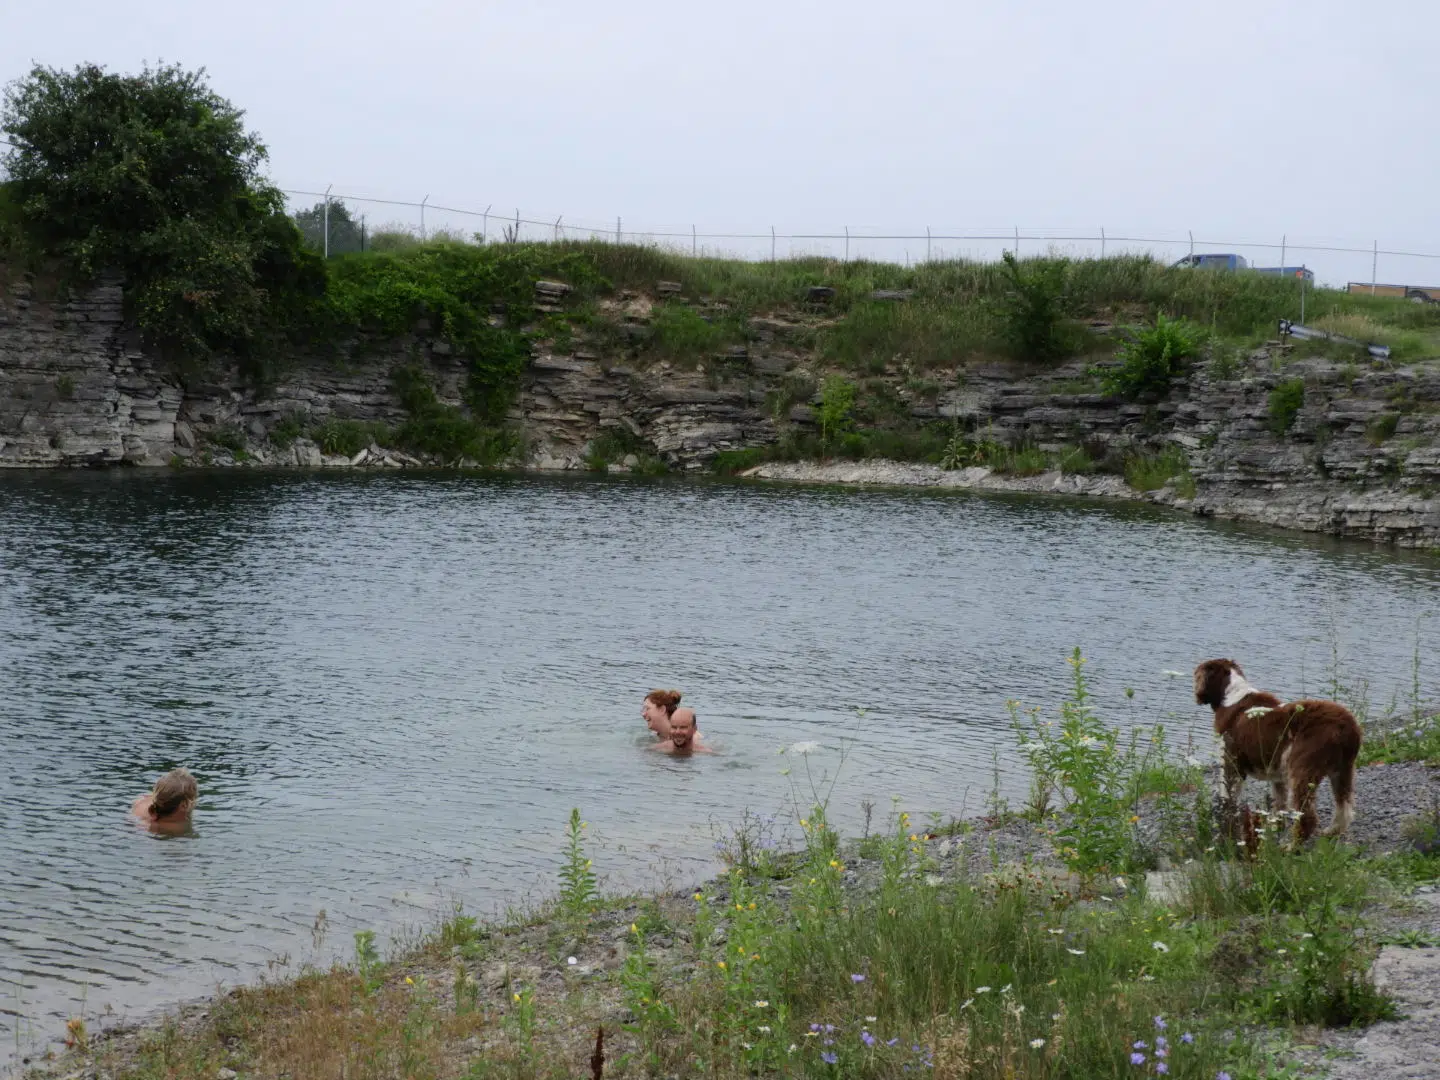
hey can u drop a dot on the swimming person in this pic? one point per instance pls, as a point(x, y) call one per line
point(167, 807)
point(656, 712)
point(684, 735)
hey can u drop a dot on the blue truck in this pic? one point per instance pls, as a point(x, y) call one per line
point(1229, 261)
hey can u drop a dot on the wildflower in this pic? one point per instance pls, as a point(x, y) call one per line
point(803, 748)
point(1161, 1068)
point(571, 961)
point(1057, 930)
point(1281, 952)
point(1076, 952)
point(1159, 946)
point(1134, 818)
point(829, 1058)
point(1160, 1051)
point(1137, 1059)
point(1161, 1042)
point(1035, 1044)
point(409, 981)
point(739, 907)
point(1147, 978)
point(804, 824)
point(746, 1045)
point(1160, 1024)
point(1141, 1045)
point(968, 1003)
point(814, 1028)
point(1187, 1038)
point(697, 896)
point(516, 998)
point(982, 989)
point(892, 1042)
point(763, 1028)
point(634, 929)
point(752, 905)
point(867, 1038)
point(1222, 1075)
point(836, 864)
point(762, 1004)
point(857, 978)
point(792, 1049)
point(1005, 989)
point(720, 964)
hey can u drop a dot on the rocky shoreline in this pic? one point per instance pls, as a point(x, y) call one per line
point(996, 850)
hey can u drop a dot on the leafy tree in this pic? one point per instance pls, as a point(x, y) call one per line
point(155, 176)
point(345, 234)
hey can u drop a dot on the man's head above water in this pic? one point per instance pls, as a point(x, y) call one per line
point(684, 725)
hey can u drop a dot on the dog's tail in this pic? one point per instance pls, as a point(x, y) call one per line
point(1342, 786)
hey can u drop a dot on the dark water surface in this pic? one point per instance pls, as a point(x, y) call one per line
point(394, 688)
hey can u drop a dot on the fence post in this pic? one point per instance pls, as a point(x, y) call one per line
point(517, 224)
point(362, 232)
point(772, 243)
point(927, 243)
point(422, 217)
point(1192, 243)
point(485, 225)
point(1102, 241)
point(327, 219)
point(1282, 257)
point(617, 228)
point(557, 228)
point(1374, 263)
point(693, 249)
point(1017, 241)
point(847, 243)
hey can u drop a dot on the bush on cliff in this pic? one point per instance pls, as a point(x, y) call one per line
point(154, 176)
point(1152, 357)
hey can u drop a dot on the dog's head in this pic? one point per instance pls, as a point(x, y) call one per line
point(1212, 679)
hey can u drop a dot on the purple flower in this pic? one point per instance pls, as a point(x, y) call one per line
point(892, 1042)
point(829, 1058)
point(1161, 1042)
point(867, 1038)
point(1160, 1023)
point(1222, 1075)
point(1187, 1038)
point(1162, 1068)
point(827, 1042)
point(829, 1029)
point(857, 978)
point(1137, 1059)
point(1141, 1045)
point(814, 1027)
point(1161, 1052)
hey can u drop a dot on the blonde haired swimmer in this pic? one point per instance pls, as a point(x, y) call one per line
point(168, 805)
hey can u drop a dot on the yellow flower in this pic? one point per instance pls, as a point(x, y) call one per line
point(516, 997)
point(739, 907)
point(913, 838)
point(634, 929)
point(804, 824)
point(752, 905)
point(697, 896)
point(720, 964)
point(409, 981)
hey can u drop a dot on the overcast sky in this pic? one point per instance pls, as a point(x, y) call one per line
point(1237, 119)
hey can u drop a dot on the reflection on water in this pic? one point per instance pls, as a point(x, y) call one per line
point(393, 689)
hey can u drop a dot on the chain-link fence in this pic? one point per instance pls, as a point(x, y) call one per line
point(356, 221)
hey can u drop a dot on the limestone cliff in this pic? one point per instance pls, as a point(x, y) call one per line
point(1361, 457)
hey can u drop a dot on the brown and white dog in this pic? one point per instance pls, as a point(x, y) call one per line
point(1294, 745)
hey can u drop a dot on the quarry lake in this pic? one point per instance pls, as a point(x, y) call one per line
point(393, 688)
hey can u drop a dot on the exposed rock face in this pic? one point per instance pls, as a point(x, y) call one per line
point(1361, 458)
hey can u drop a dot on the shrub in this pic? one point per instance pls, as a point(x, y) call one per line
point(837, 407)
point(1152, 357)
point(1381, 428)
point(1034, 310)
point(347, 437)
point(1286, 399)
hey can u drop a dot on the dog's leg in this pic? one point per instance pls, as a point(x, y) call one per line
point(1303, 795)
point(1342, 787)
point(1232, 826)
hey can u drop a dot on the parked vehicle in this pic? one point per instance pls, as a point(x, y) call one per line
point(1419, 294)
point(1231, 261)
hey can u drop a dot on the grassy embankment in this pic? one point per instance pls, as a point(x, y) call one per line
point(864, 362)
point(901, 953)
